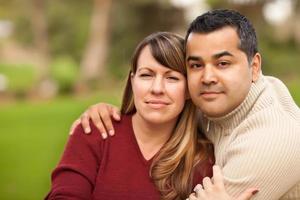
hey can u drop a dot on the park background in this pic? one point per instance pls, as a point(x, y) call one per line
point(57, 57)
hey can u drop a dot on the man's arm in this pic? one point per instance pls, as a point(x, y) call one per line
point(101, 115)
point(266, 158)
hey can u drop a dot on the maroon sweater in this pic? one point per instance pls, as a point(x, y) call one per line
point(111, 169)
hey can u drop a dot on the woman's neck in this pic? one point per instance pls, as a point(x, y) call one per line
point(151, 136)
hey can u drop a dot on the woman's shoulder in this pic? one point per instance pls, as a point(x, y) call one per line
point(123, 124)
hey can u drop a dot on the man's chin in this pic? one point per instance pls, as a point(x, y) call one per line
point(212, 111)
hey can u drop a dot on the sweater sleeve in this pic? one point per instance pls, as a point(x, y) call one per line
point(75, 175)
point(265, 158)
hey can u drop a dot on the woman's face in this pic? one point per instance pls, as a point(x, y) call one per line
point(159, 92)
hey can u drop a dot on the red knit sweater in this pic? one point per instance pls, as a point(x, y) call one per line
point(111, 169)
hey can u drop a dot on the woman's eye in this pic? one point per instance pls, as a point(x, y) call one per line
point(145, 75)
point(174, 78)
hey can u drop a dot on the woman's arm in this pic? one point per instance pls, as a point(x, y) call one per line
point(74, 177)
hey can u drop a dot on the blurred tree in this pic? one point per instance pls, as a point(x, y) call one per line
point(132, 21)
point(93, 64)
point(40, 32)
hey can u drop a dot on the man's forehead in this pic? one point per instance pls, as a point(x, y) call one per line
point(216, 42)
point(223, 33)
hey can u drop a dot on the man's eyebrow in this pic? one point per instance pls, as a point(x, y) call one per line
point(223, 53)
point(193, 58)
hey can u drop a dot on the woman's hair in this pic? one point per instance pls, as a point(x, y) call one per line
point(172, 168)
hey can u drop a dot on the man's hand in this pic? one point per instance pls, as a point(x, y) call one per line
point(100, 114)
point(215, 190)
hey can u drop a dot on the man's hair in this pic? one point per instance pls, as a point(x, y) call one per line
point(220, 18)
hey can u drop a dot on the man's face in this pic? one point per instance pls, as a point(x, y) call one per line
point(219, 75)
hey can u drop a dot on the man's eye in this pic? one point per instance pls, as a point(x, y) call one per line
point(195, 65)
point(223, 64)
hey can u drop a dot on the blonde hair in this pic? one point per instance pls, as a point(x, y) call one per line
point(172, 168)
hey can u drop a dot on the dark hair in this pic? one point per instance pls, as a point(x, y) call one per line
point(217, 19)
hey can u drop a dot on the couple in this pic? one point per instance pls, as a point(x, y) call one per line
point(157, 151)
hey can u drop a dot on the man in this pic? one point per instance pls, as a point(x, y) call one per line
point(251, 119)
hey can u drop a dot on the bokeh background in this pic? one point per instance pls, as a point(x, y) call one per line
point(57, 57)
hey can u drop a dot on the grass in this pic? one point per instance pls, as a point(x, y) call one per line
point(31, 141)
point(33, 136)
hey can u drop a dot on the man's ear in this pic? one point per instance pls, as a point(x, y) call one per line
point(256, 67)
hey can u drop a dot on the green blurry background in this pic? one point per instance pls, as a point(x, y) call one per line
point(57, 57)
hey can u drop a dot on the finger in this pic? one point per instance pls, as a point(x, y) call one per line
point(106, 119)
point(85, 123)
point(207, 184)
point(192, 197)
point(247, 194)
point(99, 124)
point(218, 176)
point(199, 190)
point(73, 126)
point(116, 113)
point(198, 187)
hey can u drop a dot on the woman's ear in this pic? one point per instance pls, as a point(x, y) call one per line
point(131, 75)
point(256, 67)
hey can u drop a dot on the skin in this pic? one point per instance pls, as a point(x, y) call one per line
point(159, 97)
point(219, 75)
point(159, 92)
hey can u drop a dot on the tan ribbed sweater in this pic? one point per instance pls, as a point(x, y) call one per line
point(258, 143)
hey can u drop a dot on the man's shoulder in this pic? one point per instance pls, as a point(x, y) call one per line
point(275, 105)
point(273, 118)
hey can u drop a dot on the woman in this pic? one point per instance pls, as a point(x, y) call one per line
point(157, 153)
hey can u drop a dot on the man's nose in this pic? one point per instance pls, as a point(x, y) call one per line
point(209, 75)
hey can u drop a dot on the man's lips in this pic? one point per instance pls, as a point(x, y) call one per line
point(210, 94)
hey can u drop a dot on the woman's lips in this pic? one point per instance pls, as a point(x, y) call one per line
point(157, 103)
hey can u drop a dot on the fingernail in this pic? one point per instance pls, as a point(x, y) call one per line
point(87, 130)
point(254, 192)
point(111, 132)
point(104, 135)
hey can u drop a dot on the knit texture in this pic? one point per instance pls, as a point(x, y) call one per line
point(258, 143)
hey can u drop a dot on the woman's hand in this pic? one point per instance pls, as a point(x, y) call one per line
point(215, 190)
point(100, 114)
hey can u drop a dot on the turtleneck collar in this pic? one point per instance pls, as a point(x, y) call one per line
point(235, 117)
